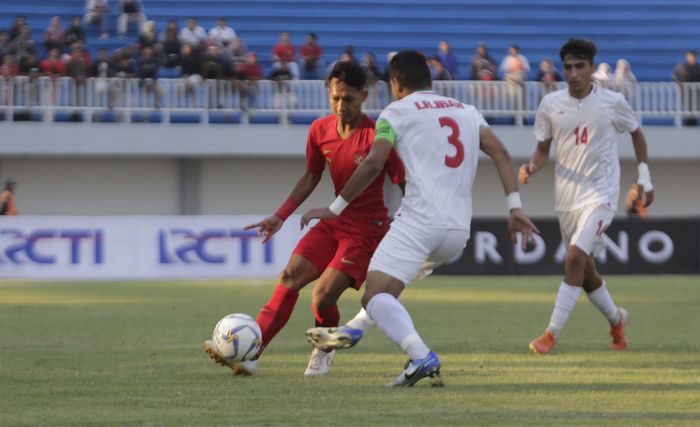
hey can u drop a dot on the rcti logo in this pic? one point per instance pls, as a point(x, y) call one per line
point(50, 246)
point(210, 246)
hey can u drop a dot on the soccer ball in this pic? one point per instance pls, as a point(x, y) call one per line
point(237, 337)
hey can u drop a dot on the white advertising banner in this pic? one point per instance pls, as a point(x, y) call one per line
point(141, 247)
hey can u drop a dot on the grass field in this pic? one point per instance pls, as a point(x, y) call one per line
point(130, 354)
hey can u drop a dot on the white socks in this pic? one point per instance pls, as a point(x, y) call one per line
point(361, 321)
point(601, 299)
point(565, 303)
point(394, 321)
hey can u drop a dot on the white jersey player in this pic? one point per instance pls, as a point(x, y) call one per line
point(438, 139)
point(582, 123)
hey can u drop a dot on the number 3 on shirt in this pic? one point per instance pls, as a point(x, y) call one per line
point(453, 139)
point(581, 135)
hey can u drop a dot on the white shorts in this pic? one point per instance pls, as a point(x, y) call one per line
point(410, 251)
point(585, 227)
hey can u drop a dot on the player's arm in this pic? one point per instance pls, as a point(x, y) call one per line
point(639, 142)
point(537, 162)
point(363, 176)
point(301, 191)
point(518, 221)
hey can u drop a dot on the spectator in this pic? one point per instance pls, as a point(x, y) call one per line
point(369, 64)
point(251, 72)
point(688, 72)
point(448, 59)
point(283, 50)
point(235, 51)
point(222, 33)
point(191, 71)
point(83, 52)
point(129, 11)
point(193, 34)
point(5, 45)
point(482, 66)
point(8, 68)
point(548, 75)
point(170, 42)
point(30, 65)
point(54, 36)
point(75, 32)
point(284, 71)
point(385, 74)
point(212, 63)
point(603, 74)
point(623, 73)
point(102, 70)
point(515, 67)
point(344, 57)
point(16, 28)
point(77, 67)
point(97, 13)
point(311, 57)
point(124, 64)
point(23, 44)
point(349, 52)
point(437, 69)
point(52, 65)
point(148, 37)
point(148, 73)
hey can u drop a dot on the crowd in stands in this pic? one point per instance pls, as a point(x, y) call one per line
point(194, 54)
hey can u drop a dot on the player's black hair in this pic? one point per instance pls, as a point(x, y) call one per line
point(410, 68)
point(350, 73)
point(580, 49)
point(693, 52)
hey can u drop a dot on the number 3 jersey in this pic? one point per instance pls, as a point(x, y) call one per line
point(583, 132)
point(437, 139)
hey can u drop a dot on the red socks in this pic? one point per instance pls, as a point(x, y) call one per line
point(327, 317)
point(275, 314)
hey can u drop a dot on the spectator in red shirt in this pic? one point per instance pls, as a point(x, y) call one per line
point(52, 65)
point(311, 58)
point(251, 72)
point(283, 50)
point(8, 68)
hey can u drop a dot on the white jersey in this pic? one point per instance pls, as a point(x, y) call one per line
point(583, 132)
point(437, 139)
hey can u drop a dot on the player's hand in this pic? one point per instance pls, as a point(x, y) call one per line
point(525, 171)
point(267, 227)
point(518, 221)
point(320, 213)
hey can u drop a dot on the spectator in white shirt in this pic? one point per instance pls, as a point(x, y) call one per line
point(223, 34)
point(193, 34)
point(96, 13)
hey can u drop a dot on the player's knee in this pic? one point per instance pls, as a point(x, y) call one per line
point(292, 278)
point(575, 259)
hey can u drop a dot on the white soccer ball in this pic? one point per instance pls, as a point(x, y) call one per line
point(237, 337)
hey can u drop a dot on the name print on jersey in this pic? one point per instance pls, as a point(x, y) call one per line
point(439, 103)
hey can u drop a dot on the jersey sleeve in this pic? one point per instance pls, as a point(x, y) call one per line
point(625, 120)
point(394, 168)
point(543, 124)
point(315, 162)
point(387, 126)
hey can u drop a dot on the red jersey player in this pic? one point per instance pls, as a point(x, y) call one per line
point(336, 252)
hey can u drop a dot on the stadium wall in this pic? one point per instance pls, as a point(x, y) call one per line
point(151, 169)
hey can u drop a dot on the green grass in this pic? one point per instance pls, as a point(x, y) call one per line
point(130, 354)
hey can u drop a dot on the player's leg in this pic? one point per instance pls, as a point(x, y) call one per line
point(569, 289)
point(598, 294)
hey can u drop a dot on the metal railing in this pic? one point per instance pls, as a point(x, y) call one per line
point(44, 98)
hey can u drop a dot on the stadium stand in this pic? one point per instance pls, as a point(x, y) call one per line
point(651, 34)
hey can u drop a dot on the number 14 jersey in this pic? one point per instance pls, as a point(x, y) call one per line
point(437, 139)
point(583, 133)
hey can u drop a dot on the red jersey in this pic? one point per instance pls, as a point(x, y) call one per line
point(325, 146)
point(284, 52)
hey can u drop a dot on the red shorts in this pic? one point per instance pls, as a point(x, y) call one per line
point(329, 246)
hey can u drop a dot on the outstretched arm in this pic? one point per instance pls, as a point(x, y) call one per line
point(639, 142)
point(518, 221)
point(363, 176)
point(301, 191)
